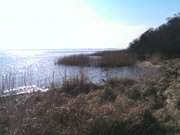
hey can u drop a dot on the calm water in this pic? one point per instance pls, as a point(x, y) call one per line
point(36, 67)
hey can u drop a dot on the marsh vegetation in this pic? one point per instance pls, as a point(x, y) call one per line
point(147, 105)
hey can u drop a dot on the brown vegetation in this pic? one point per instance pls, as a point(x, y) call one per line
point(102, 59)
point(117, 59)
point(75, 60)
point(120, 106)
point(148, 106)
point(90, 114)
point(80, 83)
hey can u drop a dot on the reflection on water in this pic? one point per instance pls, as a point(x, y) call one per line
point(36, 67)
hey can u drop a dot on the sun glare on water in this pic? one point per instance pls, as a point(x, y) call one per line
point(25, 53)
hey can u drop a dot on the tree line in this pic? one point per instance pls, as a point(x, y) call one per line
point(164, 40)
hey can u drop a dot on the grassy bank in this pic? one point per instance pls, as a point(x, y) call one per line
point(147, 106)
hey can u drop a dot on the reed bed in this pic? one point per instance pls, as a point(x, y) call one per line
point(100, 59)
point(73, 60)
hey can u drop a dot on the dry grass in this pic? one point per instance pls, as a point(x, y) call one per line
point(75, 60)
point(105, 59)
point(55, 113)
point(117, 59)
point(125, 107)
point(77, 84)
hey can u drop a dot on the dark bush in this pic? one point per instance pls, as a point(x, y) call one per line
point(114, 82)
point(108, 95)
point(148, 126)
point(134, 94)
point(164, 40)
point(107, 127)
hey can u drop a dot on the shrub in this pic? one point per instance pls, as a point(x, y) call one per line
point(134, 94)
point(147, 125)
point(108, 95)
point(107, 127)
point(114, 82)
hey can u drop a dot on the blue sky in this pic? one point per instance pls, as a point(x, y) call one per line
point(147, 12)
point(56, 24)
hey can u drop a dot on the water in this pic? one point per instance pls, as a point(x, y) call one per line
point(36, 67)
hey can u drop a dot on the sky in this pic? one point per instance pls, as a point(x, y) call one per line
point(57, 24)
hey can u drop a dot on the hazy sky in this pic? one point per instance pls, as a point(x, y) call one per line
point(43, 24)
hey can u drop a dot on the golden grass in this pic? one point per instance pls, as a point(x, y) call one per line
point(75, 60)
point(105, 59)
